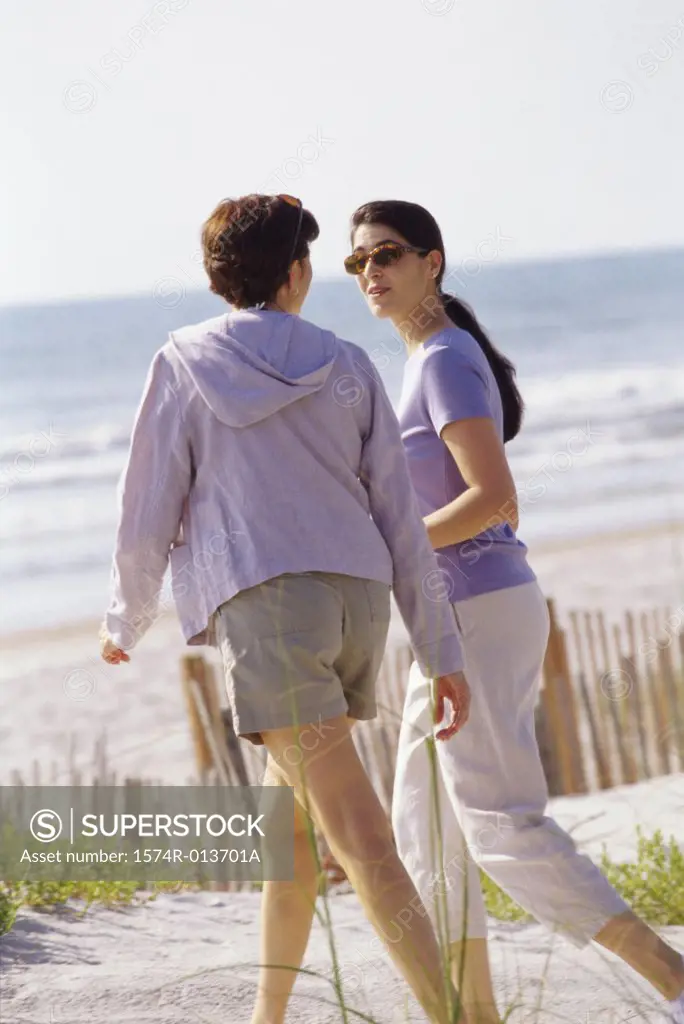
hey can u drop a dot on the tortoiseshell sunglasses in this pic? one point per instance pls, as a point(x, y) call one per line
point(293, 201)
point(383, 255)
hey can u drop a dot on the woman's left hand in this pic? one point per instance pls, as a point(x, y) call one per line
point(109, 652)
point(455, 689)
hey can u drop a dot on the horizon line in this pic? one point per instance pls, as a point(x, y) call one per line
point(599, 254)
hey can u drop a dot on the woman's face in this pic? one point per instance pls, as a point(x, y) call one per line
point(394, 291)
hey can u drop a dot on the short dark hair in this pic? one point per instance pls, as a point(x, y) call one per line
point(247, 247)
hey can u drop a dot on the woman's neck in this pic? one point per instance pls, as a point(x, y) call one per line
point(274, 307)
point(425, 320)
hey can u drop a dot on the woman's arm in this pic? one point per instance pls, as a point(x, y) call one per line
point(152, 489)
point(456, 393)
point(490, 497)
point(419, 588)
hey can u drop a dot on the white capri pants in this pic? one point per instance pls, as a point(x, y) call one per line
point(490, 786)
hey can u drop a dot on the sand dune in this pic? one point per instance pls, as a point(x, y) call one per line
point(186, 958)
point(54, 689)
point(189, 958)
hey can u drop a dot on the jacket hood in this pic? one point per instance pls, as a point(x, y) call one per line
point(251, 363)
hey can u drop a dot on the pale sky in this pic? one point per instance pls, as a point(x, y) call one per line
point(556, 123)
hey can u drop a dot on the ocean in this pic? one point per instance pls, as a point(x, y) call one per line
point(597, 343)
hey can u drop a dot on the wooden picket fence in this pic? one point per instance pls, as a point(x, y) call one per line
point(610, 712)
point(612, 702)
point(611, 708)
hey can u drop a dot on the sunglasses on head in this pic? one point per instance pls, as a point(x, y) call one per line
point(383, 255)
point(293, 201)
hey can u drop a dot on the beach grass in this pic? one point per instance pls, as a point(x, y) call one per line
point(652, 884)
point(48, 896)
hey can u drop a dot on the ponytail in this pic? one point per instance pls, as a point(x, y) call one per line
point(502, 368)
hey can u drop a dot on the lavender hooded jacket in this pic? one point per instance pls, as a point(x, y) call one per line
point(265, 445)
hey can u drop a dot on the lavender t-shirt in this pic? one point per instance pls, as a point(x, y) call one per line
point(448, 379)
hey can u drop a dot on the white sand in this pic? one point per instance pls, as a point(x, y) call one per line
point(53, 685)
point(613, 816)
point(189, 957)
point(186, 958)
point(614, 572)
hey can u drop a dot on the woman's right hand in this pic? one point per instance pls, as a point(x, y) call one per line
point(109, 652)
point(454, 688)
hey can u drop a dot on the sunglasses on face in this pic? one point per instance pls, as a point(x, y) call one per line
point(383, 255)
point(297, 203)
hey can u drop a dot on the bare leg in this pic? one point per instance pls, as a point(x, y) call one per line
point(332, 783)
point(287, 911)
point(638, 945)
point(472, 977)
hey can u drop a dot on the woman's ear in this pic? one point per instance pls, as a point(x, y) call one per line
point(297, 276)
point(434, 262)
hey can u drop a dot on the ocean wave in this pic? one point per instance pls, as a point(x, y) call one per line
point(603, 449)
point(88, 474)
point(627, 425)
point(554, 400)
point(52, 441)
point(602, 391)
point(48, 554)
point(624, 416)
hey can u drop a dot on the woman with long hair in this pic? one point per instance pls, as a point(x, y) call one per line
point(459, 405)
point(266, 466)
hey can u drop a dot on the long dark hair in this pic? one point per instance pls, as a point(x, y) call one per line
point(420, 229)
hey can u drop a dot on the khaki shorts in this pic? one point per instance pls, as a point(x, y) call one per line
point(301, 649)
